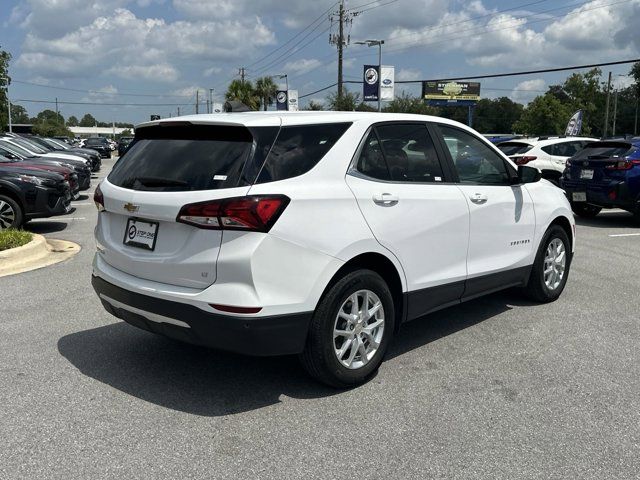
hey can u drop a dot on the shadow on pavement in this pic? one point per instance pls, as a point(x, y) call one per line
point(42, 227)
point(205, 382)
point(81, 197)
point(609, 219)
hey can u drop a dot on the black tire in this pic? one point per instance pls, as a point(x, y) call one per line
point(585, 210)
point(536, 288)
point(11, 215)
point(319, 357)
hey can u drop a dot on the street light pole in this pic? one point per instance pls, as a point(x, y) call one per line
point(378, 43)
point(6, 87)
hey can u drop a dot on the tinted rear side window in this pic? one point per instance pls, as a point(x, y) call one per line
point(185, 158)
point(514, 148)
point(298, 149)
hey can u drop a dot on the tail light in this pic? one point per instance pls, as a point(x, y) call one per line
point(98, 199)
point(623, 165)
point(524, 159)
point(255, 213)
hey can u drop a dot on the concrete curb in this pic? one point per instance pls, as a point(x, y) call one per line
point(38, 253)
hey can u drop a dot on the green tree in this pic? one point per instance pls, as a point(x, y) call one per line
point(266, 89)
point(125, 133)
point(348, 102)
point(48, 129)
point(88, 121)
point(5, 81)
point(545, 115)
point(72, 121)
point(243, 92)
point(19, 114)
point(496, 115)
point(314, 106)
point(405, 103)
point(49, 116)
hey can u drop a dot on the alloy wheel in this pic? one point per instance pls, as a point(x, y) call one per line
point(7, 215)
point(358, 329)
point(555, 262)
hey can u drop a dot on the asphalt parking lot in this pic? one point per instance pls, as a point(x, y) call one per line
point(495, 388)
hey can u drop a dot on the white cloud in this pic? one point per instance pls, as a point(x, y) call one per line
point(527, 90)
point(159, 73)
point(302, 66)
point(158, 46)
point(211, 71)
point(408, 74)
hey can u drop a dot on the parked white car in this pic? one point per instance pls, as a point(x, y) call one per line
point(318, 233)
point(548, 154)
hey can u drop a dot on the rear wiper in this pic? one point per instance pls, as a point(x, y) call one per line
point(157, 182)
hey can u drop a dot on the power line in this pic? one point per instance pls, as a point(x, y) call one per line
point(493, 75)
point(28, 100)
point(293, 38)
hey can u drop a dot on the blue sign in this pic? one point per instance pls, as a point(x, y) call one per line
point(371, 83)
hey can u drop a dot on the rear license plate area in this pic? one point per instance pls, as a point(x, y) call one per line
point(141, 234)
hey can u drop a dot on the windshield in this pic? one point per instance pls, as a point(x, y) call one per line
point(514, 148)
point(56, 144)
point(16, 150)
point(95, 141)
point(27, 145)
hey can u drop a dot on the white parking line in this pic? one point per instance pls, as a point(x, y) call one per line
point(82, 203)
point(626, 235)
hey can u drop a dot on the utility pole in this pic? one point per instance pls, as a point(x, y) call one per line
point(178, 111)
point(615, 112)
point(339, 40)
point(197, 101)
point(211, 98)
point(606, 108)
point(6, 87)
point(241, 72)
point(57, 114)
point(635, 122)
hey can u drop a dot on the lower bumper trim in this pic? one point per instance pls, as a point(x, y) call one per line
point(258, 336)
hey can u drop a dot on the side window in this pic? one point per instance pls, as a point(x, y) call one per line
point(475, 162)
point(298, 149)
point(371, 161)
point(410, 153)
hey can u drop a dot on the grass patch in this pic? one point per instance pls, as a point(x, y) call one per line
point(11, 238)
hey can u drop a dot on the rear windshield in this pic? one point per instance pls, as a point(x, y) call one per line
point(603, 150)
point(208, 157)
point(514, 148)
point(96, 141)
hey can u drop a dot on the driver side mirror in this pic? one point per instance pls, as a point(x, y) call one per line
point(528, 174)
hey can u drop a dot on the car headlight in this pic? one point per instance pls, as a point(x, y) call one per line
point(45, 182)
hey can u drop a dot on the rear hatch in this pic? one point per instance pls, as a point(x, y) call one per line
point(168, 166)
point(601, 163)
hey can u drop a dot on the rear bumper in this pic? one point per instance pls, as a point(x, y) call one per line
point(259, 336)
point(607, 195)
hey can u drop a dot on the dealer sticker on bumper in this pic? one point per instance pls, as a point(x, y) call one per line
point(579, 196)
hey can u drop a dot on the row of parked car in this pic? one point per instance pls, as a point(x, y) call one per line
point(594, 174)
point(39, 177)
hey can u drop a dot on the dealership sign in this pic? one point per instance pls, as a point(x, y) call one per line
point(442, 92)
point(575, 125)
point(281, 100)
point(375, 82)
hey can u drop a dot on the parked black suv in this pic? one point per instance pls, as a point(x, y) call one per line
point(100, 145)
point(123, 144)
point(28, 194)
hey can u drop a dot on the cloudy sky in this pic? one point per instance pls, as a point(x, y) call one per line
point(159, 52)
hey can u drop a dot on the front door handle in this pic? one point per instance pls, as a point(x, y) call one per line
point(385, 199)
point(479, 198)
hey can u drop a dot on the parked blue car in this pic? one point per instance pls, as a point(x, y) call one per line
point(604, 174)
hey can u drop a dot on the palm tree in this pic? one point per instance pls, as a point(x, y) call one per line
point(266, 90)
point(243, 92)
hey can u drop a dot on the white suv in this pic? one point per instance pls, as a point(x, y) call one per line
point(318, 233)
point(549, 155)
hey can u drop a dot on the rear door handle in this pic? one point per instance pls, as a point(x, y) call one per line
point(479, 198)
point(385, 199)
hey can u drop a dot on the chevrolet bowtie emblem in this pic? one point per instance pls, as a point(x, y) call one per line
point(130, 207)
